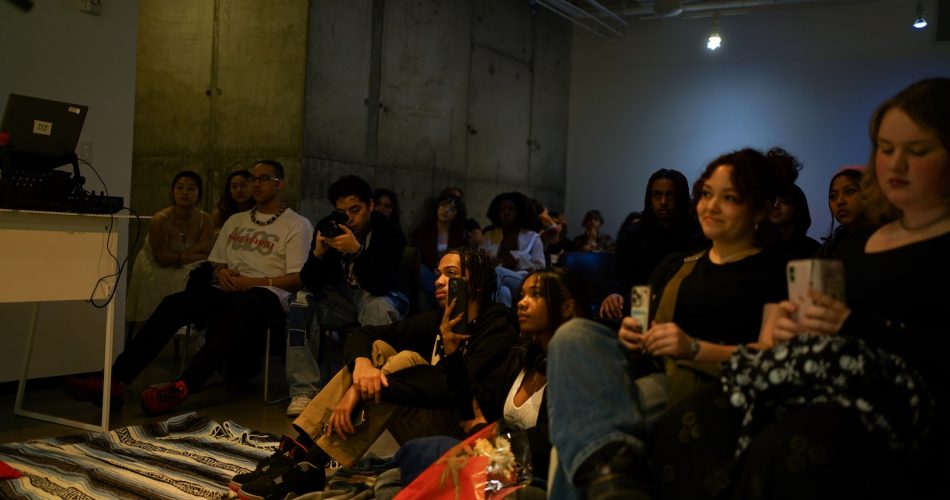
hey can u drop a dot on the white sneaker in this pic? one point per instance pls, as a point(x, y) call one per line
point(297, 405)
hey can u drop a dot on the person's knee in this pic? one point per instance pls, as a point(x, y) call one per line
point(378, 311)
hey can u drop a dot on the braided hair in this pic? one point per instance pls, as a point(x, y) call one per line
point(482, 280)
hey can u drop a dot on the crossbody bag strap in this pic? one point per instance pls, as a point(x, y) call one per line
point(664, 310)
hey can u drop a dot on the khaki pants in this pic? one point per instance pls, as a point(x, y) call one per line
point(403, 422)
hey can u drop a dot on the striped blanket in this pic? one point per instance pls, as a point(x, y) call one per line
point(187, 456)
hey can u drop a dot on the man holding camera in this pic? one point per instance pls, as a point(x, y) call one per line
point(351, 278)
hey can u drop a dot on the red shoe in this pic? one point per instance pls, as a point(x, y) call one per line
point(89, 388)
point(163, 398)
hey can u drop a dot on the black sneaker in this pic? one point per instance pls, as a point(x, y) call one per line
point(304, 477)
point(288, 453)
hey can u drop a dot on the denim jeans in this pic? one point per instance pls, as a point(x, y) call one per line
point(337, 307)
point(591, 399)
point(509, 284)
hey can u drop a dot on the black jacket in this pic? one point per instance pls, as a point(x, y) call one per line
point(377, 267)
point(450, 383)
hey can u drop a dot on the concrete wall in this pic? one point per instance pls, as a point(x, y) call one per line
point(57, 52)
point(804, 79)
point(419, 95)
point(220, 85)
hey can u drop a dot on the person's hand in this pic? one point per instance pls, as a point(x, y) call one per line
point(450, 339)
point(227, 279)
point(668, 339)
point(368, 380)
point(320, 246)
point(468, 425)
point(345, 243)
point(824, 316)
point(612, 306)
point(340, 421)
point(631, 334)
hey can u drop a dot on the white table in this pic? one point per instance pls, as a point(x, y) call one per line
point(52, 256)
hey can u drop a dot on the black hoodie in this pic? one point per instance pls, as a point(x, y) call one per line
point(450, 383)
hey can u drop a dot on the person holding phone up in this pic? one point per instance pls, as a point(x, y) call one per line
point(396, 378)
point(603, 398)
point(853, 401)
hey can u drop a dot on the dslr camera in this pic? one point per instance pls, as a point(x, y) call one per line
point(329, 226)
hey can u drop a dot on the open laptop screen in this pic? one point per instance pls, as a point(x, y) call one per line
point(41, 131)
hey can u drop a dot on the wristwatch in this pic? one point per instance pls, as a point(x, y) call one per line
point(693, 347)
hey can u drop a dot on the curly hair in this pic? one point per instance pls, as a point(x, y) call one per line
point(759, 179)
point(482, 280)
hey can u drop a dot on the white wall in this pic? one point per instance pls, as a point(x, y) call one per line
point(57, 52)
point(805, 79)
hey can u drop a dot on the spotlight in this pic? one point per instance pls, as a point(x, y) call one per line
point(714, 39)
point(920, 23)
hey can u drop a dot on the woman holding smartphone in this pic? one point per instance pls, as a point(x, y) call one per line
point(860, 407)
point(704, 306)
point(515, 390)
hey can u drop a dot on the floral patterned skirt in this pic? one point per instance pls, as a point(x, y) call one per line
point(890, 398)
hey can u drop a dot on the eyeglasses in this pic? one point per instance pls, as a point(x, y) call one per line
point(263, 178)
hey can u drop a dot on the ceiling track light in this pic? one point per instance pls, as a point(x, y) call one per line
point(715, 40)
point(920, 23)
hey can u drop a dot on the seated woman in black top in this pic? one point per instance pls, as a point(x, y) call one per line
point(853, 401)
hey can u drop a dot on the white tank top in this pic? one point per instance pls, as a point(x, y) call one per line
point(526, 415)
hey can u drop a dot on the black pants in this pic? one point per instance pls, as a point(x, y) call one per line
point(237, 324)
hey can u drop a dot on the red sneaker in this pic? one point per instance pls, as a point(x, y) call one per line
point(163, 398)
point(89, 388)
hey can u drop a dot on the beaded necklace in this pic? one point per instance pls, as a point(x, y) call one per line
point(268, 221)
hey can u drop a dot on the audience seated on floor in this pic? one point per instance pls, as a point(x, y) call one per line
point(604, 396)
point(236, 197)
point(847, 206)
point(792, 218)
point(352, 276)
point(179, 237)
point(852, 401)
point(667, 225)
point(513, 243)
point(592, 240)
point(515, 390)
point(413, 378)
point(444, 229)
point(257, 261)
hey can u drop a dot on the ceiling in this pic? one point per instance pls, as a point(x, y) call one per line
point(611, 18)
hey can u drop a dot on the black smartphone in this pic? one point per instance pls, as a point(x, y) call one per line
point(458, 290)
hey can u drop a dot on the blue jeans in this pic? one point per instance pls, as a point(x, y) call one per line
point(591, 399)
point(509, 285)
point(336, 308)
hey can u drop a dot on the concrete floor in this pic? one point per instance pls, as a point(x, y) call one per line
point(215, 401)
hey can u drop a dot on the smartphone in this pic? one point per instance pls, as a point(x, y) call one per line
point(640, 305)
point(458, 290)
point(824, 275)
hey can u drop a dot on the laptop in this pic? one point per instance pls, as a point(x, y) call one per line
point(43, 133)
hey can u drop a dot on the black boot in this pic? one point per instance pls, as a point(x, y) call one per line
point(615, 471)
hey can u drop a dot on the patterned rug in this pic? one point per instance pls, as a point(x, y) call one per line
point(187, 456)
